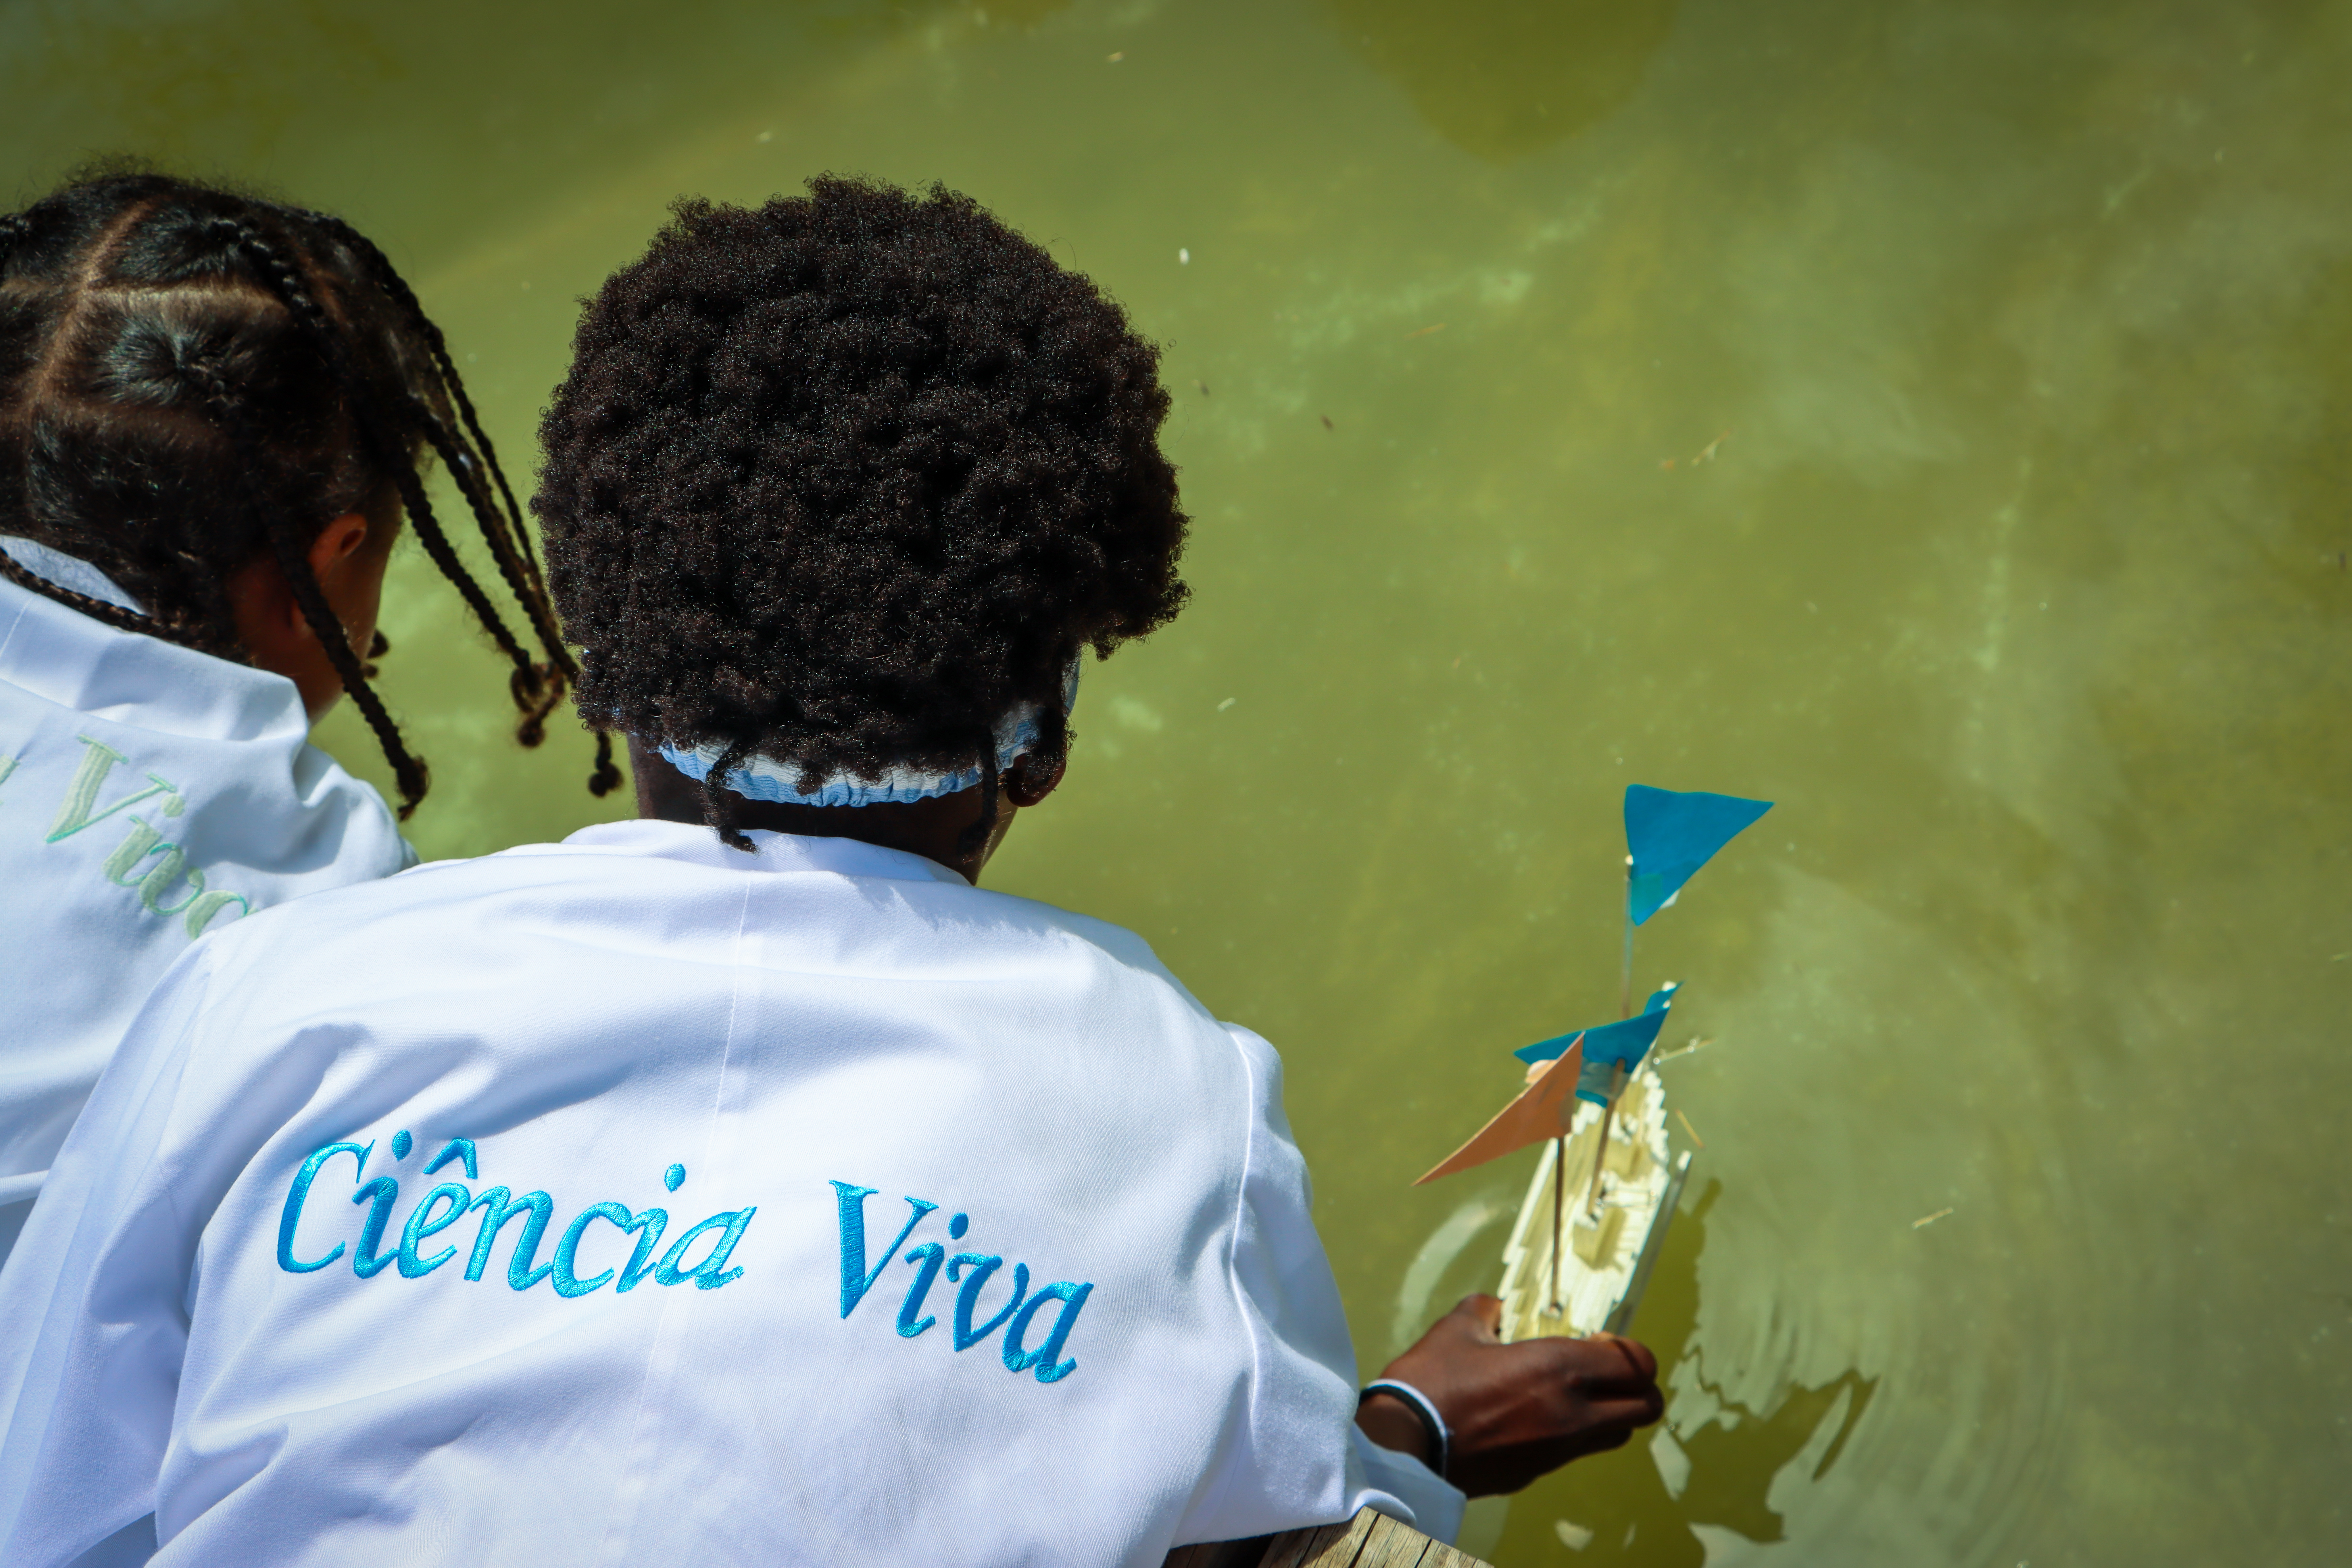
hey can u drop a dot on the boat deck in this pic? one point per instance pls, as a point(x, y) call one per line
point(1602, 1246)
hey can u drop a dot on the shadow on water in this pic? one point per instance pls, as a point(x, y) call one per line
point(1502, 79)
point(1702, 1480)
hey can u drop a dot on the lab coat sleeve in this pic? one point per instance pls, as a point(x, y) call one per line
point(1298, 1458)
point(93, 1300)
point(1402, 1487)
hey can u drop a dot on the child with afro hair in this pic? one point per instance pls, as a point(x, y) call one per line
point(743, 1182)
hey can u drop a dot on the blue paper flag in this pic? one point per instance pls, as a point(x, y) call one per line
point(1623, 1043)
point(1671, 835)
point(1626, 1041)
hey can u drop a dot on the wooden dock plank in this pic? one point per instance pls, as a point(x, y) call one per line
point(1389, 1544)
point(1324, 1546)
point(1439, 1555)
point(1368, 1541)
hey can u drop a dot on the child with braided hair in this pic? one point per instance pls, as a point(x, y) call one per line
point(212, 413)
point(745, 1183)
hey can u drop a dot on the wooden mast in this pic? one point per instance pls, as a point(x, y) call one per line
point(1616, 1069)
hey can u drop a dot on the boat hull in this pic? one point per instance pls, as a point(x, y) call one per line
point(1602, 1243)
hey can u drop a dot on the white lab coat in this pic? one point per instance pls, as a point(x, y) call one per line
point(778, 1139)
point(148, 794)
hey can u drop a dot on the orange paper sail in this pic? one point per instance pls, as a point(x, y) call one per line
point(1542, 1111)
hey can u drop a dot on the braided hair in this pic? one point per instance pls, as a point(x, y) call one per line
point(192, 379)
point(845, 479)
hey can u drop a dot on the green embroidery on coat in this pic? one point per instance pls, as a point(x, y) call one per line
point(122, 867)
point(168, 870)
point(136, 847)
point(207, 905)
point(75, 812)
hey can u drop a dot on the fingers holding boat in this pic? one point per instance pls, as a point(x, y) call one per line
point(1519, 1411)
point(1564, 1399)
point(1598, 1380)
point(1486, 1312)
point(1637, 1354)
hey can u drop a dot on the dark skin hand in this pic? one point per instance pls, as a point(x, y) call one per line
point(1517, 1411)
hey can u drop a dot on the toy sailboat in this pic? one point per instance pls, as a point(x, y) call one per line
point(1595, 1215)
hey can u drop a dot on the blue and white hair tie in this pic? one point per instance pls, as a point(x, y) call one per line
point(765, 778)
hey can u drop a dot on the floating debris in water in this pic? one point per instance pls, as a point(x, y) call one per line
point(1117, 56)
point(1696, 1044)
point(1704, 455)
point(1689, 1129)
point(1203, 386)
point(1326, 422)
point(1424, 332)
point(764, 137)
point(1923, 1221)
point(1227, 704)
point(1575, 1537)
point(1184, 256)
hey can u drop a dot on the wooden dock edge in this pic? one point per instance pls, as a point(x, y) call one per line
point(1368, 1541)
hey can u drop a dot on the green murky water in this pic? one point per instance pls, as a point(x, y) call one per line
point(1931, 416)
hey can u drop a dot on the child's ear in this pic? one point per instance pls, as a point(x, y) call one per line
point(338, 542)
point(1031, 779)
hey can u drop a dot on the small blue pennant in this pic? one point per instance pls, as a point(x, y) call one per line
point(1626, 1041)
point(1671, 835)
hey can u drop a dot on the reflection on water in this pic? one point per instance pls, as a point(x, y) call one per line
point(1504, 77)
point(1705, 1484)
point(1930, 417)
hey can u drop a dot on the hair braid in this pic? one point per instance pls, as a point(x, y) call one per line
point(509, 539)
point(408, 769)
point(719, 801)
point(537, 688)
point(113, 614)
point(530, 682)
point(605, 778)
point(396, 289)
point(14, 230)
point(194, 377)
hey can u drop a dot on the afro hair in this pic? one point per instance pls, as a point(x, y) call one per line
point(846, 480)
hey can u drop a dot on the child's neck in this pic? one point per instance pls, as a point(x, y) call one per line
point(932, 828)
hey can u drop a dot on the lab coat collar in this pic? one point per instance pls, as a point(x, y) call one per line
point(64, 657)
point(699, 846)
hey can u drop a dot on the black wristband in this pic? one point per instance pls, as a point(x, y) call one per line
point(1421, 1405)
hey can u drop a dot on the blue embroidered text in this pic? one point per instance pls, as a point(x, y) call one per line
point(446, 1204)
point(973, 1271)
